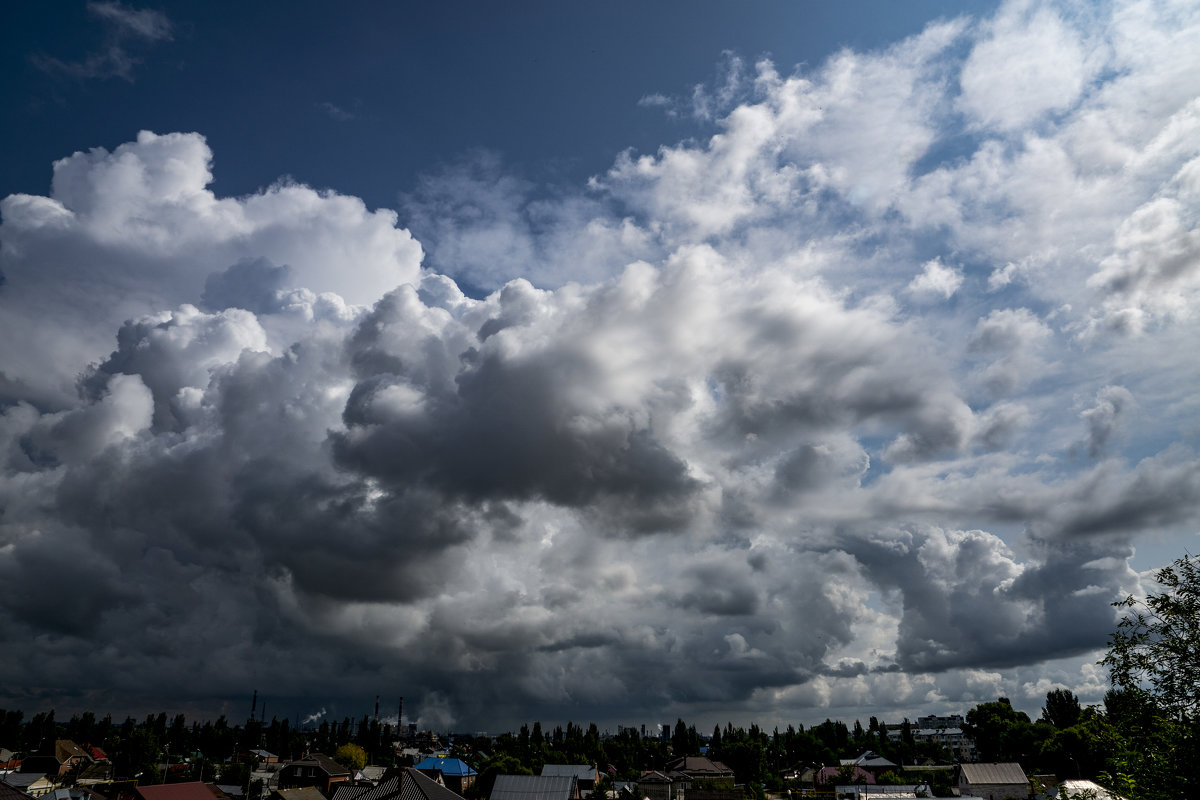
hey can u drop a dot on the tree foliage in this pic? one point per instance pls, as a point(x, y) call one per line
point(1062, 709)
point(351, 755)
point(1153, 661)
point(1001, 733)
point(1156, 647)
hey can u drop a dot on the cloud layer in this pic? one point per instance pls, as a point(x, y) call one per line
point(863, 404)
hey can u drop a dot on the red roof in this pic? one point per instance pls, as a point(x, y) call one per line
point(828, 775)
point(194, 790)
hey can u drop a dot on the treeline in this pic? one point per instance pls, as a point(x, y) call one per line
point(759, 759)
point(159, 748)
point(162, 748)
point(1108, 743)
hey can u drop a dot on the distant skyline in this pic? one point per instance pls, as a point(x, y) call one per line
point(593, 362)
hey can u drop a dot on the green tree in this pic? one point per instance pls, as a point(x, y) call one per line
point(1156, 647)
point(351, 755)
point(1153, 664)
point(1062, 708)
point(994, 727)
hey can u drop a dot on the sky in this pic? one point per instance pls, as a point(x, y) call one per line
point(611, 362)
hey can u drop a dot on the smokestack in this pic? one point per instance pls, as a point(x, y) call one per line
point(377, 708)
point(254, 704)
point(400, 713)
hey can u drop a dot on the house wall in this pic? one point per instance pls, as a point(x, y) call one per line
point(998, 791)
point(657, 791)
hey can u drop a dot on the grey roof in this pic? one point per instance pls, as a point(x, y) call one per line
point(398, 784)
point(11, 792)
point(583, 772)
point(699, 767)
point(978, 774)
point(419, 786)
point(868, 759)
point(23, 780)
point(346, 791)
point(321, 760)
point(533, 787)
point(653, 776)
point(305, 793)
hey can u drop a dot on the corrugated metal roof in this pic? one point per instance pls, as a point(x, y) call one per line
point(321, 760)
point(193, 790)
point(994, 773)
point(11, 792)
point(533, 787)
point(23, 780)
point(419, 786)
point(583, 772)
point(447, 766)
point(345, 791)
point(303, 793)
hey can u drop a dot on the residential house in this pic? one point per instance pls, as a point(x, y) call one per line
point(316, 770)
point(871, 762)
point(585, 776)
point(695, 768)
point(73, 793)
point(303, 793)
point(533, 787)
point(264, 756)
point(654, 785)
point(11, 792)
point(415, 785)
point(371, 774)
point(695, 777)
point(624, 790)
point(455, 774)
point(851, 775)
point(190, 790)
point(34, 784)
point(993, 781)
point(701, 778)
point(62, 759)
point(92, 774)
point(70, 756)
point(406, 783)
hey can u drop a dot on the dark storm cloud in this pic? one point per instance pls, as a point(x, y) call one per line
point(966, 602)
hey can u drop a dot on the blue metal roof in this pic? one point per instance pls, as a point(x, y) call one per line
point(447, 766)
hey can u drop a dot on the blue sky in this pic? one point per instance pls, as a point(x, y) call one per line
point(363, 99)
point(757, 362)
